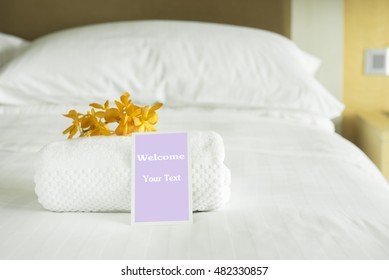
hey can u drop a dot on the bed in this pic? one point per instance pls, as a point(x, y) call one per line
point(299, 190)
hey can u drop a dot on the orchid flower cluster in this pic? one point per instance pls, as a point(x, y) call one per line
point(128, 117)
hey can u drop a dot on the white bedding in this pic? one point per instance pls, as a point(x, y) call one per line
point(299, 191)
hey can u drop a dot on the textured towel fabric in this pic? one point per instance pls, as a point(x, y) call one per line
point(94, 174)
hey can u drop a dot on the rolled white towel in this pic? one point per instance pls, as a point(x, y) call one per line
point(93, 174)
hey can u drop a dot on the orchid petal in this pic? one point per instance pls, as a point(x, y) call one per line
point(96, 105)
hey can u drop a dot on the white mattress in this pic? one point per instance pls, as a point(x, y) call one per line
point(299, 191)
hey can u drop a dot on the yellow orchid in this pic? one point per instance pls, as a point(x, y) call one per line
point(112, 115)
point(129, 117)
point(92, 125)
point(124, 102)
point(126, 124)
point(147, 119)
point(100, 114)
point(72, 130)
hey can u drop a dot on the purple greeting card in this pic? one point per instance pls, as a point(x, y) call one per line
point(161, 187)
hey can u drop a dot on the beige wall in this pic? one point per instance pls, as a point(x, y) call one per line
point(366, 26)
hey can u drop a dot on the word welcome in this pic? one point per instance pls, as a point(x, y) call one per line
point(145, 157)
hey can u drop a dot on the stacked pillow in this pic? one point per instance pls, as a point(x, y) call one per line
point(9, 47)
point(175, 62)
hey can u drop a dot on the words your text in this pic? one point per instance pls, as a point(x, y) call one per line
point(164, 178)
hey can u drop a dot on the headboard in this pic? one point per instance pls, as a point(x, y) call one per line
point(30, 19)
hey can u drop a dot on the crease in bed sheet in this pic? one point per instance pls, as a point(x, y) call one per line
point(351, 156)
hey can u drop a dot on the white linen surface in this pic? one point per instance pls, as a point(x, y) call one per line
point(299, 191)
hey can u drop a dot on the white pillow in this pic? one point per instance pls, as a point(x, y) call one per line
point(9, 46)
point(174, 62)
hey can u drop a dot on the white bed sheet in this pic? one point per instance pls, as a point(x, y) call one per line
point(299, 191)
